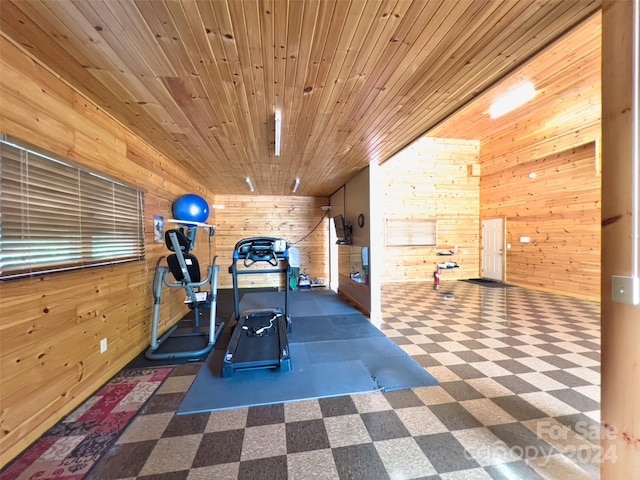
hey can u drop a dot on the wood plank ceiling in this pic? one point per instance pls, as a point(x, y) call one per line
point(564, 72)
point(356, 80)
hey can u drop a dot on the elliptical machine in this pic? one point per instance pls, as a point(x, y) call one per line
point(185, 269)
point(259, 339)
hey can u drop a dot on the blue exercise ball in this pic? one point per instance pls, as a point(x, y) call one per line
point(191, 208)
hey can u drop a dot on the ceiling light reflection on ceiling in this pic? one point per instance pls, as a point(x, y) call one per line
point(278, 131)
point(512, 100)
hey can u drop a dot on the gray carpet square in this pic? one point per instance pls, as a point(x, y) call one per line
point(334, 406)
point(403, 399)
point(219, 447)
point(516, 384)
point(559, 362)
point(186, 425)
point(518, 408)
point(263, 468)
point(576, 400)
point(306, 435)
point(359, 462)
point(438, 337)
point(470, 357)
point(460, 391)
point(465, 371)
point(514, 366)
point(522, 441)
point(454, 416)
point(265, 415)
point(426, 361)
point(512, 352)
point(445, 453)
point(552, 348)
point(566, 378)
point(431, 347)
point(384, 425)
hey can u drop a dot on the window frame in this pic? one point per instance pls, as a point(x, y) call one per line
point(411, 232)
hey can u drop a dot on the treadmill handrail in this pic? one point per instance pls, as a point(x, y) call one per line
point(277, 249)
point(261, 249)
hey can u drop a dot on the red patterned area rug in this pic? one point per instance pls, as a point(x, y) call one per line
point(69, 449)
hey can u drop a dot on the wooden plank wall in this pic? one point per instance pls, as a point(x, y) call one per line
point(434, 179)
point(620, 395)
point(559, 211)
point(560, 208)
point(556, 136)
point(300, 220)
point(51, 325)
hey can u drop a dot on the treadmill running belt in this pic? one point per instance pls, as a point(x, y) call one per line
point(258, 348)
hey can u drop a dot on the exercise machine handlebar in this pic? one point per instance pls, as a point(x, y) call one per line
point(260, 249)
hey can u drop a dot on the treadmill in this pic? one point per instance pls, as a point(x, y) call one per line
point(259, 339)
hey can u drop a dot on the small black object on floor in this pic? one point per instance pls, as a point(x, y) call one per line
point(487, 283)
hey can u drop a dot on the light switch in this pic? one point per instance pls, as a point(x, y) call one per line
point(525, 239)
point(625, 290)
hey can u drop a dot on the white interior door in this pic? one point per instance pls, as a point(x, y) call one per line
point(493, 249)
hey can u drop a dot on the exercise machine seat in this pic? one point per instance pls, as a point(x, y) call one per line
point(190, 260)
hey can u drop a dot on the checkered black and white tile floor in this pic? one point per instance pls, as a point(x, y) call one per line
point(518, 399)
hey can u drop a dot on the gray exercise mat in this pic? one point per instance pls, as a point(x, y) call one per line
point(210, 391)
point(331, 355)
point(301, 303)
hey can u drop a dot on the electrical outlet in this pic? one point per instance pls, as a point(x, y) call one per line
point(103, 345)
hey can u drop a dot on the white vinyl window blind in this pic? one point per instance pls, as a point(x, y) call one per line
point(55, 216)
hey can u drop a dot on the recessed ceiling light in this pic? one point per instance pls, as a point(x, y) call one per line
point(278, 122)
